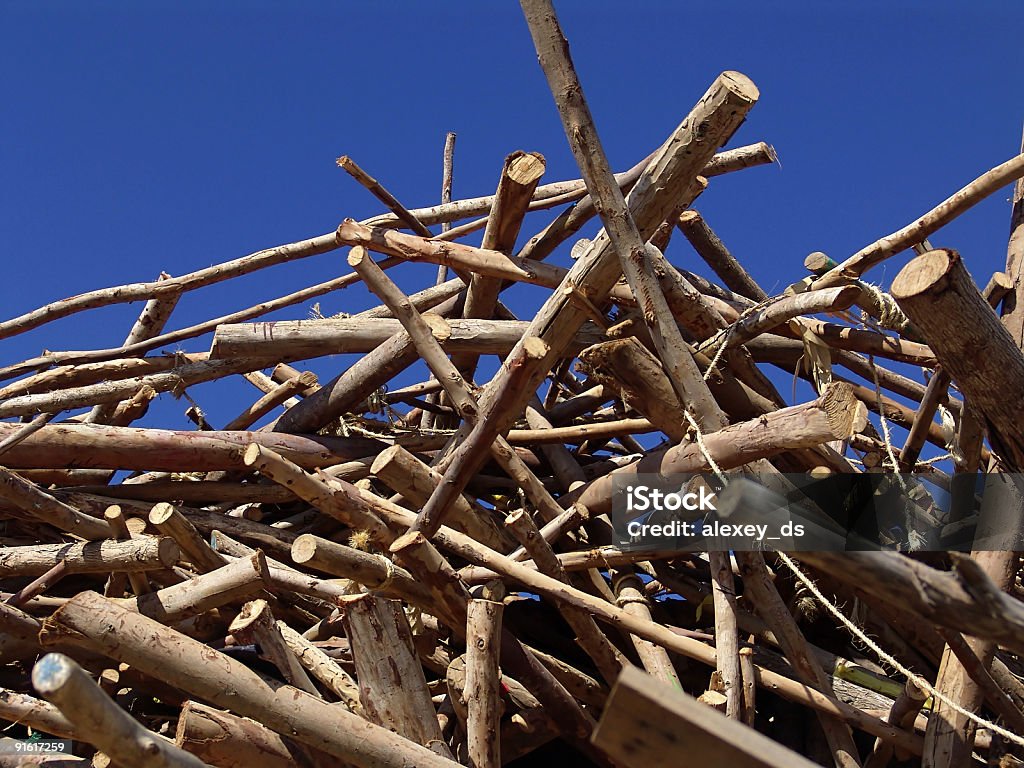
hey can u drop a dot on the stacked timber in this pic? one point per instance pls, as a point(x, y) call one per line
point(374, 570)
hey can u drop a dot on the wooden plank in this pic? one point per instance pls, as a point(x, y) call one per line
point(650, 725)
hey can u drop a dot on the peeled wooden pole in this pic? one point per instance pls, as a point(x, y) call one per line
point(834, 416)
point(972, 345)
point(255, 625)
point(482, 692)
point(100, 721)
point(726, 640)
point(170, 522)
point(27, 496)
point(228, 741)
point(392, 688)
point(188, 664)
point(146, 554)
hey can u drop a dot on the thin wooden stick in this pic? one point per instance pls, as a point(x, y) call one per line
point(918, 230)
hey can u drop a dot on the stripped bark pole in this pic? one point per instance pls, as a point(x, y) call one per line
point(482, 691)
point(228, 741)
point(392, 688)
point(726, 639)
point(146, 554)
point(100, 721)
point(255, 624)
point(170, 522)
point(940, 298)
point(173, 658)
point(26, 496)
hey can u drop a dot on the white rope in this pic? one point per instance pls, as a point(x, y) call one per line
point(699, 439)
point(919, 681)
point(890, 316)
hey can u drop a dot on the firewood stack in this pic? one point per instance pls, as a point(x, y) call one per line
point(424, 574)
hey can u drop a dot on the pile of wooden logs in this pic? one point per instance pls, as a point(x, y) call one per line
point(359, 572)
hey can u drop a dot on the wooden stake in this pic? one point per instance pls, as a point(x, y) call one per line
point(483, 701)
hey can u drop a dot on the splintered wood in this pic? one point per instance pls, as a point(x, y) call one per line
point(407, 558)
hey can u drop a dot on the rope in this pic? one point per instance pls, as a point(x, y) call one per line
point(890, 315)
point(389, 574)
point(699, 439)
point(919, 681)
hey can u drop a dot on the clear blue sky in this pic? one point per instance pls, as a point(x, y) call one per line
point(140, 137)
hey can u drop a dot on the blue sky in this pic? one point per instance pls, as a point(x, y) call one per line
point(140, 137)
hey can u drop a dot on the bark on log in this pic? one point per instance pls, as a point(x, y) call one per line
point(482, 693)
point(100, 721)
point(147, 554)
point(392, 688)
point(225, 740)
point(188, 664)
point(940, 298)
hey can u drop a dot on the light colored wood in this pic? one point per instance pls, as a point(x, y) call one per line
point(170, 522)
point(73, 445)
point(43, 507)
point(255, 624)
point(264, 405)
point(969, 341)
point(482, 692)
point(918, 230)
point(233, 582)
point(301, 339)
point(710, 248)
point(834, 416)
point(228, 741)
point(188, 664)
point(392, 688)
point(145, 554)
point(649, 725)
point(99, 721)
point(726, 639)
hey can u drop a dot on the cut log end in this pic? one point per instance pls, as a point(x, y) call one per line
point(384, 459)
point(252, 454)
point(356, 256)
point(846, 414)
point(440, 329)
point(741, 85)
point(304, 548)
point(926, 273)
point(161, 513)
point(526, 168)
point(534, 347)
point(51, 673)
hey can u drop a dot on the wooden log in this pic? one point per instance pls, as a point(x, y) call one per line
point(482, 693)
point(749, 690)
point(362, 567)
point(940, 298)
point(407, 475)
point(323, 668)
point(713, 251)
point(271, 400)
point(349, 388)
point(834, 416)
point(392, 688)
point(962, 600)
point(726, 639)
point(175, 380)
point(233, 582)
point(228, 741)
point(72, 445)
point(301, 339)
point(343, 504)
point(648, 725)
point(43, 507)
point(255, 625)
point(100, 721)
point(519, 177)
point(146, 554)
point(629, 595)
point(211, 676)
point(36, 714)
point(170, 522)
